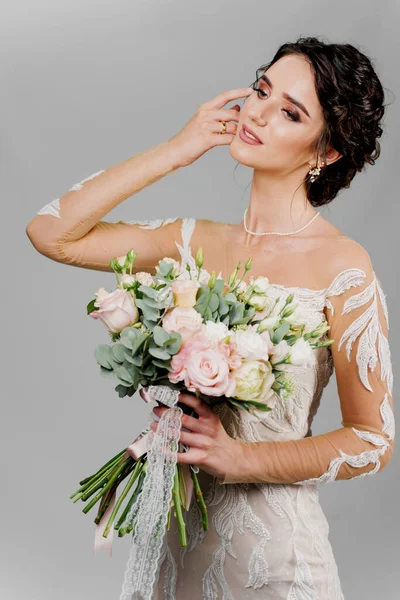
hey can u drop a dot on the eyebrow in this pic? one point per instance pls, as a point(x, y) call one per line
point(287, 96)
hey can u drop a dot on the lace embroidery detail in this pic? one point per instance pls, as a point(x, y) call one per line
point(151, 223)
point(302, 587)
point(366, 457)
point(234, 511)
point(170, 576)
point(53, 208)
point(388, 418)
point(367, 355)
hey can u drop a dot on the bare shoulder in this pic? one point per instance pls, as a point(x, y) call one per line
point(342, 254)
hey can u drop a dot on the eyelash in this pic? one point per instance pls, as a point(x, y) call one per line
point(293, 116)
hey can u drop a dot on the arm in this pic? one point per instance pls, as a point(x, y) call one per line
point(357, 315)
point(70, 229)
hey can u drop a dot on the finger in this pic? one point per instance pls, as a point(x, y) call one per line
point(202, 409)
point(231, 128)
point(196, 440)
point(194, 456)
point(192, 423)
point(226, 114)
point(222, 99)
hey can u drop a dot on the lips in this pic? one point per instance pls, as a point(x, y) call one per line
point(248, 130)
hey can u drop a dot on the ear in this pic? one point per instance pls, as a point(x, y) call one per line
point(332, 156)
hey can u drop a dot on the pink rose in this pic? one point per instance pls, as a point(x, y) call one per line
point(117, 309)
point(186, 321)
point(181, 358)
point(184, 292)
point(208, 371)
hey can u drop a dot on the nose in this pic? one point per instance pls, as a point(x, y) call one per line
point(256, 117)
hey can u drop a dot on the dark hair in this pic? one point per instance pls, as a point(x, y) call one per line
point(351, 97)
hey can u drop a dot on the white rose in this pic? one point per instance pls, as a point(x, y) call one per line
point(258, 301)
point(301, 353)
point(279, 351)
point(268, 323)
point(214, 332)
point(128, 279)
point(253, 381)
point(260, 285)
point(298, 316)
point(144, 278)
point(251, 345)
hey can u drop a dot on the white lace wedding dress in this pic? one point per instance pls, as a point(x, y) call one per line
point(268, 536)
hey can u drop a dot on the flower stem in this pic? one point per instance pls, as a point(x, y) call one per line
point(200, 499)
point(115, 480)
point(108, 485)
point(134, 476)
point(88, 481)
point(123, 526)
point(178, 509)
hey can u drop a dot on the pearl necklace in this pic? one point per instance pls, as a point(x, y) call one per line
point(276, 232)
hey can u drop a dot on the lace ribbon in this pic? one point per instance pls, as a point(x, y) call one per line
point(151, 509)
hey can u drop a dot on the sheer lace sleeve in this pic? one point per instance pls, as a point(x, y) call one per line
point(358, 316)
point(69, 229)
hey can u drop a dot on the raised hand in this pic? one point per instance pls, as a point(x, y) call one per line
point(203, 131)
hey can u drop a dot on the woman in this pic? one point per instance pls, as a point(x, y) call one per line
point(309, 123)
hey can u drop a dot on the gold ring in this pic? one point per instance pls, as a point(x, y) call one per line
point(223, 127)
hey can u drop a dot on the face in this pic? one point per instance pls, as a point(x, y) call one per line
point(284, 128)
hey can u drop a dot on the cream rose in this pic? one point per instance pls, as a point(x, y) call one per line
point(253, 381)
point(185, 291)
point(116, 310)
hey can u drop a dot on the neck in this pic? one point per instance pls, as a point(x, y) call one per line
point(276, 206)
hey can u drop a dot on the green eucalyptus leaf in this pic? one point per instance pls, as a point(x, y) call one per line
point(162, 364)
point(259, 405)
point(129, 336)
point(280, 332)
point(123, 374)
point(118, 352)
point(214, 302)
point(160, 335)
point(102, 356)
point(149, 291)
point(159, 353)
point(107, 373)
point(140, 339)
point(174, 343)
point(165, 268)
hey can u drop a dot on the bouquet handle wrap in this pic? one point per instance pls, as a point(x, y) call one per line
point(136, 449)
point(152, 507)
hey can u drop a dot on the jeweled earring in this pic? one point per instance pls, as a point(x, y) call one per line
point(315, 171)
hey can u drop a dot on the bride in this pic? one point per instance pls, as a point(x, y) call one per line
point(308, 124)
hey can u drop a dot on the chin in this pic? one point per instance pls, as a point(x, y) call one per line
point(244, 153)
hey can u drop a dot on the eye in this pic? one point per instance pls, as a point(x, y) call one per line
point(293, 116)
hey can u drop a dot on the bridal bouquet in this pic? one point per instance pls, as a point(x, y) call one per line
point(187, 330)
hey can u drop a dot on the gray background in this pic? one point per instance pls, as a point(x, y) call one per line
point(79, 93)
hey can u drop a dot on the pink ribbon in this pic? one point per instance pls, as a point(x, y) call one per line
point(136, 449)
